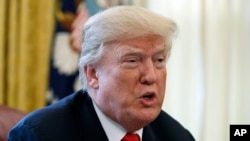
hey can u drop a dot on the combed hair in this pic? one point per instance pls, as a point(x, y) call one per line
point(120, 23)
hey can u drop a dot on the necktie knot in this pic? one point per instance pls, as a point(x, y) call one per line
point(131, 137)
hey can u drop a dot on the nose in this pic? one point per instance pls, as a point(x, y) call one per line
point(148, 73)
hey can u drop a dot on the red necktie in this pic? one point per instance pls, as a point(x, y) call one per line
point(131, 137)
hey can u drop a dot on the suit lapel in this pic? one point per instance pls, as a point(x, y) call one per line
point(92, 128)
point(148, 134)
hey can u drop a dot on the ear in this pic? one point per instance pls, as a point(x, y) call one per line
point(91, 76)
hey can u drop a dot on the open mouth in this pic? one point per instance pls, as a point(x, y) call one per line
point(148, 96)
point(148, 99)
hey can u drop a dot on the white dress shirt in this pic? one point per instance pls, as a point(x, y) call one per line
point(113, 130)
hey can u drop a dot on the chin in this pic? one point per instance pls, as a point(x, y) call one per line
point(148, 116)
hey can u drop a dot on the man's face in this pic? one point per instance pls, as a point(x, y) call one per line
point(130, 81)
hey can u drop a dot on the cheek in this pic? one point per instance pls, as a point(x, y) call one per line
point(120, 89)
point(162, 83)
point(123, 80)
point(114, 84)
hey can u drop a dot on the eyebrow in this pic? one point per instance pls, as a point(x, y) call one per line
point(138, 52)
point(130, 52)
point(163, 50)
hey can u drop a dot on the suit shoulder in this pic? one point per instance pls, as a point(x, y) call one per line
point(62, 115)
point(169, 128)
point(62, 108)
point(165, 119)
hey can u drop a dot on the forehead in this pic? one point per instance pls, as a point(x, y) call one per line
point(144, 43)
point(149, 41)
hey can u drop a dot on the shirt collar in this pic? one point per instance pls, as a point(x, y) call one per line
point(113, 130)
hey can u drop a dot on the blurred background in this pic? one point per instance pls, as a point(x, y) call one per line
point(208, 85)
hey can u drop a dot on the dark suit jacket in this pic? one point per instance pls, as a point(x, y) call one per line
point(74, 119)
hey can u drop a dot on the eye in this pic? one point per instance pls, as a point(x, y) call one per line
point(160, 61)
point(131, 62)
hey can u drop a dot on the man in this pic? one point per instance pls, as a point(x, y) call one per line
point(123, 71)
